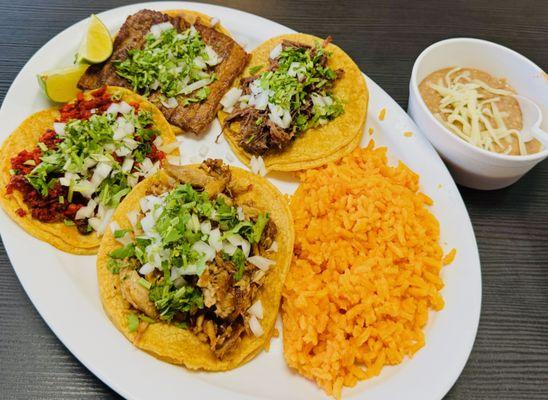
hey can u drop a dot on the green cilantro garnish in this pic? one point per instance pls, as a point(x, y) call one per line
point(171, 246)
point(92, 140)
point(132, 322)
point(120, 233)
point(255, 69)
point(299, 80)
point(170, 63)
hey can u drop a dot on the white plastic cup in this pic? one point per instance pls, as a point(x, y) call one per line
point(471, 166)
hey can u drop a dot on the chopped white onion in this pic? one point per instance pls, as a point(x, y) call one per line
point(157, 29)
point(132, 217)
point(229, 248)
point(124, 107)
point(200, 63)
point(127, 164)
point(86, 188)
point(170, 102)
point(158, 141)
point(260, 101)
point(273, 247)
point(212, 57)
point(196, 85)
point(87, 211)
point(175, 273)
point(205, 227)
point(256, 309)
point(257, 166)
point(146, 269)
point(124, 240)
point(240, 213)
point(147, 222)
point(231, 98)
point(261, 262)
point(205, 249)
point(123, 151)
point(59, 128)
point(255, 326)
point(280, 116)
point(114, 226)
point(67, 179)
point(113, 109)
point(101, 172)
point(106, 220)
point(214, 239)
point(276, 51)
point(191, 269)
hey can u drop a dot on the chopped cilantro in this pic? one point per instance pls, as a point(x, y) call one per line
point(170, 63)
point(238, 259)
point(298, 81)
point(144, 283)
point(173, 246)
point(120, 233)
point(255, 69)
point(132, 322)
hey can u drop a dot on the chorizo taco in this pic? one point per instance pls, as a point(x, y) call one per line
point(301, 103)
point(183, 61)
point(193, 266)
point(64, 170)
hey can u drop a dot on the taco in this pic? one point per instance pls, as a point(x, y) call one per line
point(63, 171)
point(193, 266)
point(301, 102)
point(183, 61)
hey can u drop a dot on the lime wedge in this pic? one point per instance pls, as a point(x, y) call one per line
point(96, 45)
point(60, 84)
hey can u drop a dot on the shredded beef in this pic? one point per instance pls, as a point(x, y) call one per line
point(257, 133)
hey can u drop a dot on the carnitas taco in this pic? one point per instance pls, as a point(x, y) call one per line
point(63, 171)
point(193, 266)
point(183, 61)
point(301, 103)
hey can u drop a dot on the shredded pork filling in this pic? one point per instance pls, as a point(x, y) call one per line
point(213, 298)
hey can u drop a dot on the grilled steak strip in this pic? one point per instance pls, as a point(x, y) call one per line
point(195, 117)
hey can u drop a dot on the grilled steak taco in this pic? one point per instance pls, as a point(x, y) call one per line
point(63, 171)
point(193, 267)
point(178, 60)
point(302, 102)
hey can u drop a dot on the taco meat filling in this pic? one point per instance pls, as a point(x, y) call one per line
point(292, 94)
point(196, 259)
point(96, 151)
point(183, 69)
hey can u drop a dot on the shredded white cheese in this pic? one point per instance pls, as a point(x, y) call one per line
point(470, 116)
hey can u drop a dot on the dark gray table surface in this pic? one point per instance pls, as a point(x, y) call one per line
point(510, 356)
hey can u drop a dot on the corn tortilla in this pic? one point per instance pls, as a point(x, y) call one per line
point(315, 146)
point(179, 346)
point(25, 137)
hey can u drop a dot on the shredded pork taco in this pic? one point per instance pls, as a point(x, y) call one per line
point(301, 103)
point(193, 266)
point(63, 171)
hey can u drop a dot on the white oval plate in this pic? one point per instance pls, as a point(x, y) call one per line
point(63, 287)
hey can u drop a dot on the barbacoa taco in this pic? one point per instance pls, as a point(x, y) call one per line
point(180, 60)
point(63, 171)
point(193, 266)
point(301, 103)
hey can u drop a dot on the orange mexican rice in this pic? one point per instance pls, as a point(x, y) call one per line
point(365, 271)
